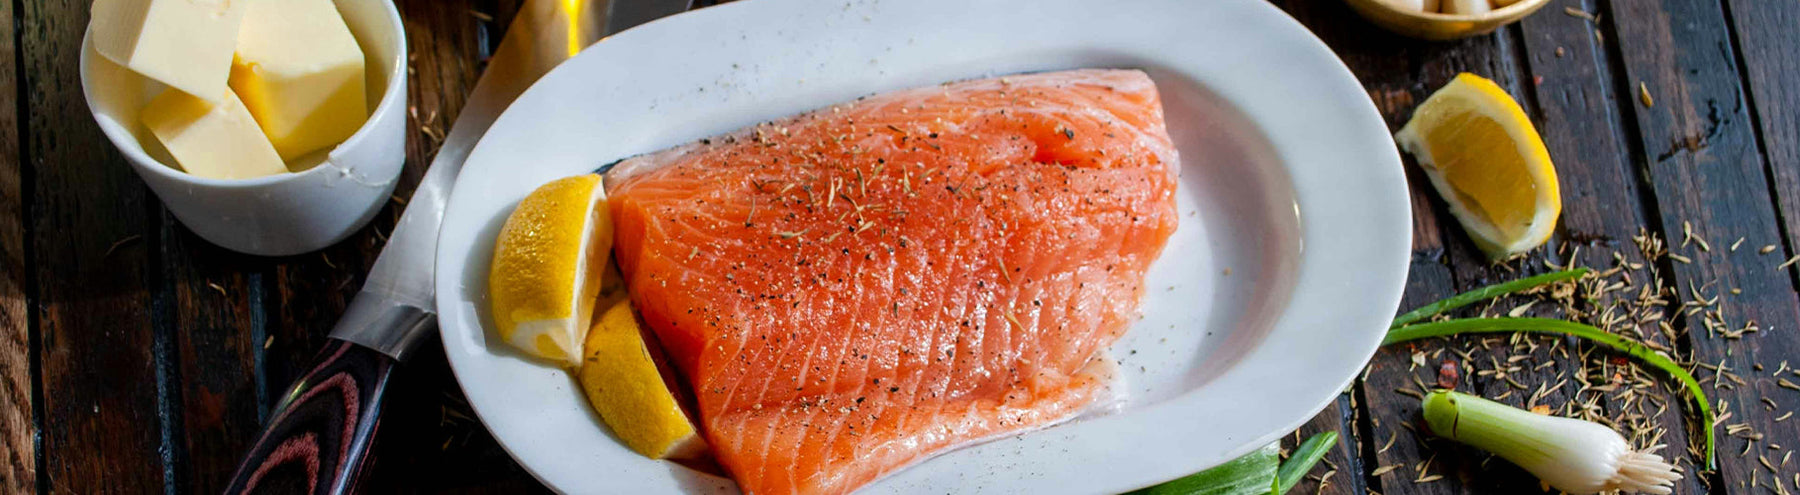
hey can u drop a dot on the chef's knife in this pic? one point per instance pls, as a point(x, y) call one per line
point(317, 438)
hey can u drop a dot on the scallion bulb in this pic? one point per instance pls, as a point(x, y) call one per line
point(1575, 456)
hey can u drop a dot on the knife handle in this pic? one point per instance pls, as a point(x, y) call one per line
point(317, 439)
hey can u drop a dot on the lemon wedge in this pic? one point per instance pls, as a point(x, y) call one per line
point(1487, 161)
point(626, 385)
point(547, 268)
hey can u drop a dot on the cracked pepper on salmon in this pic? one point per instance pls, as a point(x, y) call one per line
point(868, 285)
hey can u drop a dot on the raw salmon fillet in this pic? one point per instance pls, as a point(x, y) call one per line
point(865, 286)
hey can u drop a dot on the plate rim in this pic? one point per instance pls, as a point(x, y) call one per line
point(1389, 266)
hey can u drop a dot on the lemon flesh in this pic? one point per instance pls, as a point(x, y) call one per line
point(1488, 163)
point(547, 265)
point(631, 391)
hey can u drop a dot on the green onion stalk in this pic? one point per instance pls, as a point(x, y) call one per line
point(1575, 456)
point(1401, 331)
point(1561, 327)
point(1261, 472)
point(1485, 293)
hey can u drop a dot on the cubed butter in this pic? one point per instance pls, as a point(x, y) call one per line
point(215, 141)
point(300, 72)
point(186, 44)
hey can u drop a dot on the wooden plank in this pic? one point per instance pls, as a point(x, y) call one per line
point(1395, 448)
point(91, 235)
point(1767, 41)
point(213, 338)
point(1340, 473)
point(18, 468)
point(430, 440)
point(1702, 155)
point(1579, 118)
point(304, 297)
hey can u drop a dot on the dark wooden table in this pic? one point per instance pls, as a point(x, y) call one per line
point(135, 357)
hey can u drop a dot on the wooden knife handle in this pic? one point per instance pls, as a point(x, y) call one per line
point(317, 439)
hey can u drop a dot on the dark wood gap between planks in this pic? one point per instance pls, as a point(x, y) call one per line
point(1615, 88)
point(1771, 23)
point(1763, 40)
point(212, 323)
point(21, 390)
point(256, 291)
point(1582, 226)
point(99, 401)
point(1365, 446)
point(1339, 463)
point(172, 450)
point(1693, 68)
point(1627, 100)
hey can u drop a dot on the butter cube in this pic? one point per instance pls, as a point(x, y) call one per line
point(300, 72)
point(215, 141)
point(185, 44)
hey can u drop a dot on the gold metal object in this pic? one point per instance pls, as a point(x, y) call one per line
point(1436, 26)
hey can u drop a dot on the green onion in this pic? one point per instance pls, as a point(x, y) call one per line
point(1485, 293)
point(1252, 474)
point(1561, 327)
point(1305, 457)
point(1400, 331)
point(1575, 456)
point(1255, 473)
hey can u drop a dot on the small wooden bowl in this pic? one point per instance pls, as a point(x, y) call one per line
point(1435, 26)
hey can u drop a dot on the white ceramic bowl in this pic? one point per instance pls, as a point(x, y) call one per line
point(282, 214)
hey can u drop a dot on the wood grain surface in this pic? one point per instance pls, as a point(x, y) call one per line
point(136, 357)
point(1766, 43)
point(1576, 100)
point(18, 467)
point(208, 327)
point(94, 239)
point(1703, 156)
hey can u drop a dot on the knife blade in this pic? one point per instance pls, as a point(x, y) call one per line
point(317, 436)
point(395, 305)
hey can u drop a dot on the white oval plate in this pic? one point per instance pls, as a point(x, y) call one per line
point(1286, 268)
